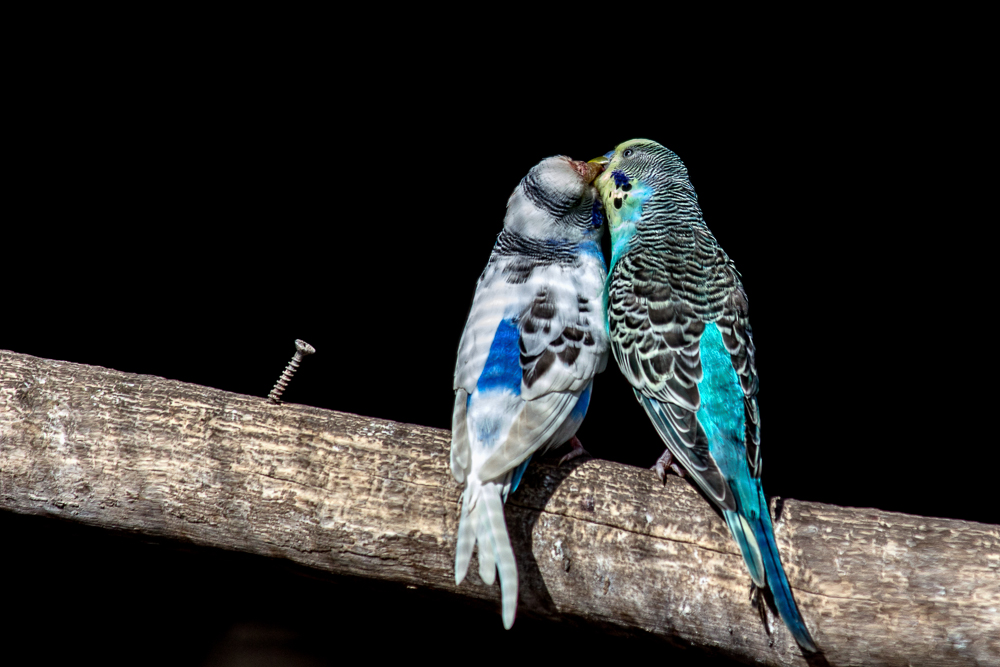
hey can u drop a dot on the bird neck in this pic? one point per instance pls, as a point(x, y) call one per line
point(622, 237)
point(661, 206)
point(514, 243)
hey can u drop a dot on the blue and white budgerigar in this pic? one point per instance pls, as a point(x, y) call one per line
point(533, 342)
point(677, 318)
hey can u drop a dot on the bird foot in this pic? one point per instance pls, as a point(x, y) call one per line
point(577, 450)
point(665, 462)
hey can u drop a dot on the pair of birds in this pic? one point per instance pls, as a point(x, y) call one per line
point(672, 310)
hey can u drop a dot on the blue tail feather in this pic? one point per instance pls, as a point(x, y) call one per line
point(777, 582)
point(515, 480)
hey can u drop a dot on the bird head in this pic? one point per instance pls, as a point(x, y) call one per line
point(557, 201)
point(633, 171)
point(641, 160)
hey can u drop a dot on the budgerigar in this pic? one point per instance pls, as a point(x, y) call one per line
point(534, 340)
point(677, 318)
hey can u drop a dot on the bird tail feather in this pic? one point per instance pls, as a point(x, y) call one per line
point(776, 580)
point(743, 533)
point(484, 525)
point(503, 552)
point(487, 560)
point(467, 523)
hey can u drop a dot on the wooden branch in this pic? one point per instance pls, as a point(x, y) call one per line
point(597, 540)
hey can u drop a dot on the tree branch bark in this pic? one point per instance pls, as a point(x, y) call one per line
point(372, 498)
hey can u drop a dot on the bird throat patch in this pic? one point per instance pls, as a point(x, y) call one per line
point(622, 187)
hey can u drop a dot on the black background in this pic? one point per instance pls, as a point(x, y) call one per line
point(188, 214)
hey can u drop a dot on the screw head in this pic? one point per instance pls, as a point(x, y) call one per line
point(304, 347)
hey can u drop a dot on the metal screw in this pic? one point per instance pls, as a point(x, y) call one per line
point(302, 350)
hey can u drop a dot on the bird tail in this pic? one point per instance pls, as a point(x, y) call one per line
point(484, 525)
point(760, 552)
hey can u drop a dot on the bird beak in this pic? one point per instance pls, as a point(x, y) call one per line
point(596, 166)
point(589, 170)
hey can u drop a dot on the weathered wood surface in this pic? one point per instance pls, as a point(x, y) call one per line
point(596, 540)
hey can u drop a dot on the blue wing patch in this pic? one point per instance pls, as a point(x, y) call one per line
point(722, 416)
point(503, 364)
point(721, 412)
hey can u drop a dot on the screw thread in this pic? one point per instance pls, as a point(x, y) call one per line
point(303, 348)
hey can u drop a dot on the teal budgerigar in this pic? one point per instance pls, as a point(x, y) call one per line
point(677, 319)
point(533, 342)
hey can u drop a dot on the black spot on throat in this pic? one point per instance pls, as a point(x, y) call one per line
point(618, 202)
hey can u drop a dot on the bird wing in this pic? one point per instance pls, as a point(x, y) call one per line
point(563, 343)
point(737, 336)
point(560, 345)
point(655, 337)
point(489, 307)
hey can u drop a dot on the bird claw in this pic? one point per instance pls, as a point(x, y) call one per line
point(666, 462)
point(577, 450)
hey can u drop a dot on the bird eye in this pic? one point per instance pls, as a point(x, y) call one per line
point(627, 153)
